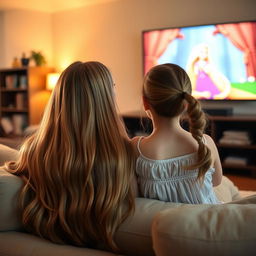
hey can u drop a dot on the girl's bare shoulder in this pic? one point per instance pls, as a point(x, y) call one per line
point(211, 145)
point(209, 140)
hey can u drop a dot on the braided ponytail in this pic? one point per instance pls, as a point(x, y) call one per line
point(166, 88)
point(197, 123)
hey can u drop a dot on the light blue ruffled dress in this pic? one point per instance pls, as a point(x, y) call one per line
point(167, 181)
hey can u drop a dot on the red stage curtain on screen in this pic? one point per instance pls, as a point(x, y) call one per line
point(155, 43)
point(243, 36)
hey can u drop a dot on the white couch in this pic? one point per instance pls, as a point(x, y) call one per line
point(156, 228)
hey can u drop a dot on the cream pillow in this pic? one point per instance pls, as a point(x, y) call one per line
point(245, 200)
point(9, 189)
point(134, 235)
point(17, 244)
point(227, 229)
point(7, 154)
point(227, 191)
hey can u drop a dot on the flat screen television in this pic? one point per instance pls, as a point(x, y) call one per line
point(219, 58)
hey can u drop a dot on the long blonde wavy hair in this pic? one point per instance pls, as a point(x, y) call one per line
point(167, 88)
point(78, 167)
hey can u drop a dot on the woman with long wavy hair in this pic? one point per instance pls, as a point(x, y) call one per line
point(77, 167)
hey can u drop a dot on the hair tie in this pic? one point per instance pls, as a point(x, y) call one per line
point(183, 95)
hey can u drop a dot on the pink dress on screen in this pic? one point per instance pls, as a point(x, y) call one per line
point(205, 83)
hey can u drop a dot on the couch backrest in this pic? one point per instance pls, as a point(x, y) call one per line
point(7, 154)
point(9, 190)
point(227, 229)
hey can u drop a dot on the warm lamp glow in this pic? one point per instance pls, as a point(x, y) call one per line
point(51, 80)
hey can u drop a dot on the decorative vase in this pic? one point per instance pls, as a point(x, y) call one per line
point(25, 62)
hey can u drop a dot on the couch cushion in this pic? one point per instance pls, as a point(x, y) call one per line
point(134, 235)
point(211, 230)
point(227, 191)
point(22, 244)
point(7, 154)
point(246, 200)
point(9, 189)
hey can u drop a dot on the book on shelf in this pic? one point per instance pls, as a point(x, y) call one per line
point(230, 141)
point(11, 81)
point(6, 124)
point(234, 160)
point(236, 133)
point(234, 137)
point(23, 82)
point(19, 123)
point(21, 102)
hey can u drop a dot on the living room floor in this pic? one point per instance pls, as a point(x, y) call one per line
point(243, 182)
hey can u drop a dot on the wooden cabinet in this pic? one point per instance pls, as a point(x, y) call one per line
point(22, 97)
point(235, 137)
point(236, 155)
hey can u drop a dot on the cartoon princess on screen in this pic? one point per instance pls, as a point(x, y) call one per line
point(207, 81)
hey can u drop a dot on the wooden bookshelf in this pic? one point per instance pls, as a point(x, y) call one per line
point(20, 102)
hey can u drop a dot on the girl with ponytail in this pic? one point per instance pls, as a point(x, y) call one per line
point(174, 164)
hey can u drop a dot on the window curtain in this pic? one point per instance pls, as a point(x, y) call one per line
point(155, 43)
point(243, 36)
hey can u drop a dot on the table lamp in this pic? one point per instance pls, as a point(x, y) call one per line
point(51, 80)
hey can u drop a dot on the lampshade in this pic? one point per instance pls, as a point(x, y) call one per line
point(51, 80)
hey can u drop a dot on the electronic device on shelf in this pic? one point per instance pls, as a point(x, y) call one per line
point(219, 58)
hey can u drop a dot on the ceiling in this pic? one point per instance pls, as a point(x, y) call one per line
point(47, 5)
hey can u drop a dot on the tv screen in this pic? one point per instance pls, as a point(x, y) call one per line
point(220, 59)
